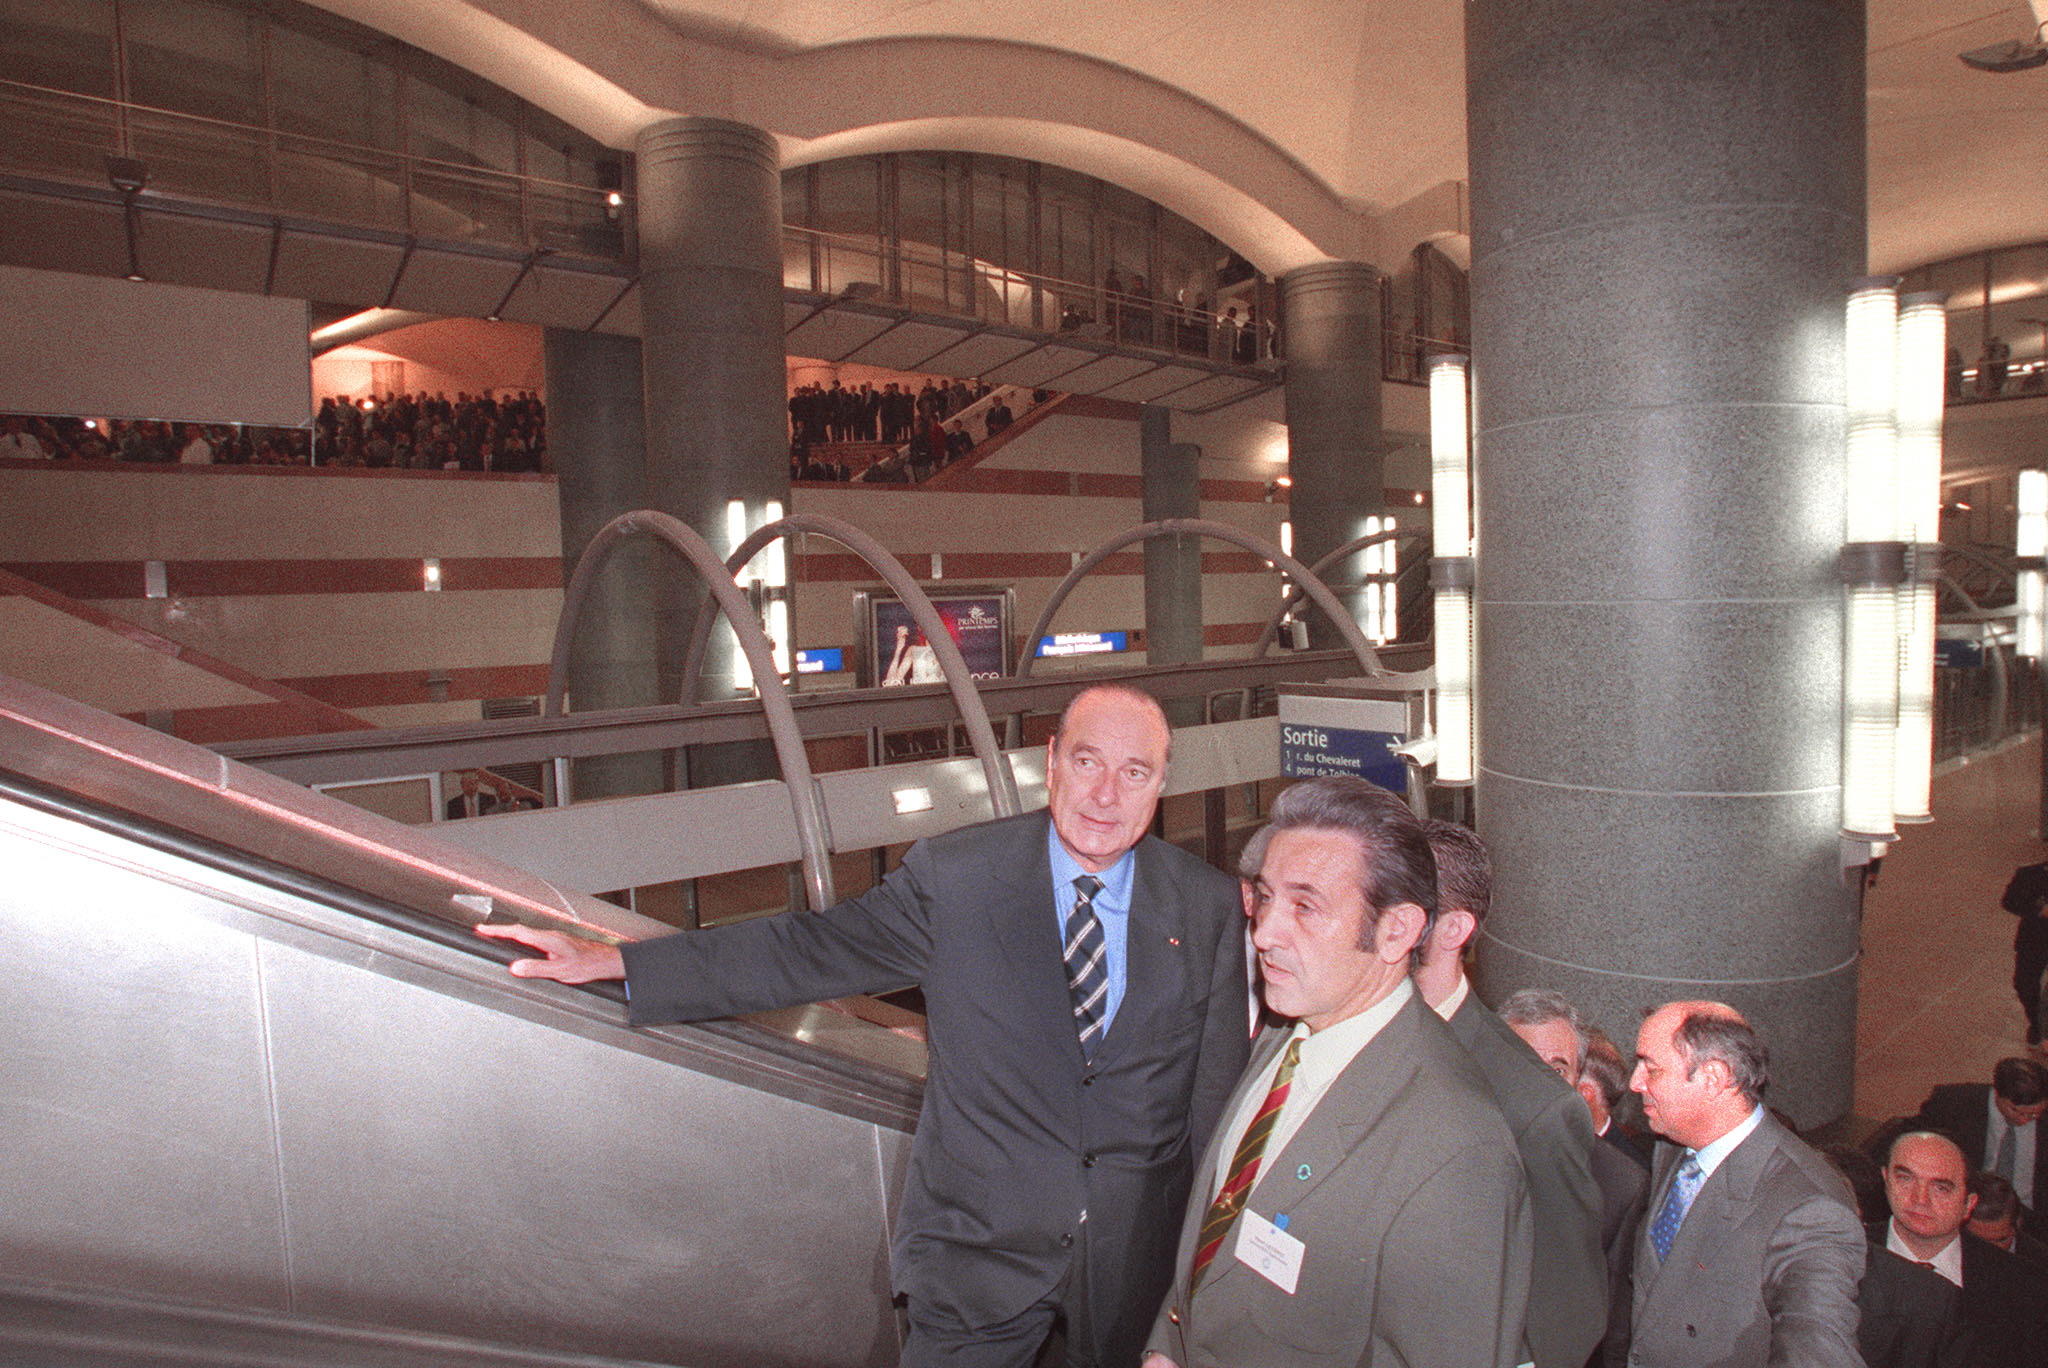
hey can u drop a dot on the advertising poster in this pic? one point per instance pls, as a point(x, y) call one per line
point(897, 652)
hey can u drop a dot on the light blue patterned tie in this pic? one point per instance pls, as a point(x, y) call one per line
point(1677, 1202)
point(1086, 956)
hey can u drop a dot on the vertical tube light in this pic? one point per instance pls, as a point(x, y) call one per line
point(1873, 563)
point(2031, 545)
point(775, 575)
point(1451, 568)
point(1922, 346)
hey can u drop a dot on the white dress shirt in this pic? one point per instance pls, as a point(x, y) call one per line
point(1947, 1261)
point(2022, 1149)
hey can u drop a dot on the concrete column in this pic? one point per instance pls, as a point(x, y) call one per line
point(1173, 565)
point(1667, 206)
point(1334, 449)
point(710, 210)
point(598, 437)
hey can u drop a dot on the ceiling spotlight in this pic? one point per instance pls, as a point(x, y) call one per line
point(127, 174)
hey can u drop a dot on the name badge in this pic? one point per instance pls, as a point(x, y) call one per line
point(1269, 1251)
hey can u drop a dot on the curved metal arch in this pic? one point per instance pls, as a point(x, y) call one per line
point(2002, 570)
point(805, 804)
point(1312, 585)
point(1294, 595)
point(1002, 785)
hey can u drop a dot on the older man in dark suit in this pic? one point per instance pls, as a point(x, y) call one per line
point(1753, 1248)
point(1553, 1132)
point(1085, 994)
point(1550, 1025)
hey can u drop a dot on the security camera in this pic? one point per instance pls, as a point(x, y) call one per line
point(1420, 753)
point(2012, 55)
point(127, 174)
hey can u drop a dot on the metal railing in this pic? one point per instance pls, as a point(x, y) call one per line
point(64, 136)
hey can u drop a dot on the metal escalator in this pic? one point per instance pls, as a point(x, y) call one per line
point(256, 1073)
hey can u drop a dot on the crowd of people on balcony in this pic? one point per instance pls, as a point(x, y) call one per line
point(1134, 312)
point(891, 415)
point(147, 441)
point(433, 432)
point(398, 432)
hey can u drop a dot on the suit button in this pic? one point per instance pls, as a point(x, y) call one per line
point(1087, 1161)
point(1088, 1080)
point(1066, 1242)
point(1690, 1331)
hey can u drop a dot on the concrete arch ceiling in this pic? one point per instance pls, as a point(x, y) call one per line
point(1296, 130)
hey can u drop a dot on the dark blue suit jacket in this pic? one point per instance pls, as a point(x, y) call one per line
point(1019, 1135)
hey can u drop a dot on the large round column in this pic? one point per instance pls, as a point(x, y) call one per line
point(710, 212)
point(1335, 455)
point(1667, 205)
point(598, 439)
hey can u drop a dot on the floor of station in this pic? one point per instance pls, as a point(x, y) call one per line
point(1935, 996)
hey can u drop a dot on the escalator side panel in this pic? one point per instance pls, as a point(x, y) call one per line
point(204, 1101)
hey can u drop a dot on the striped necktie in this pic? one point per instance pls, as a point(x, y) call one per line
point(1244, 1166)
point(1087, 959)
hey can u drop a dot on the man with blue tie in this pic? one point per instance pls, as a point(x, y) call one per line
point(1753, 1249)
point(1085, 998)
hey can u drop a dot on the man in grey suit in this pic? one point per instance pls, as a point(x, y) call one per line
point(1553, 1133)
point(1362, 1202)
point(1084, 987)
point(1753, 1250)
point(1550, 1025)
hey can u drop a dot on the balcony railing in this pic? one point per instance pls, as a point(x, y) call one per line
point(57, 135)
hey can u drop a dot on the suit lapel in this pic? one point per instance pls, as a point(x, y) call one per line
point(1350, 1107)
point(1027, 930)
point(1722, 1201)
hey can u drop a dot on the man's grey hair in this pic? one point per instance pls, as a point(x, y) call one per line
point(1703, 1036)
point(1539, 1006)
point(1393, 842)
point(1125, 692)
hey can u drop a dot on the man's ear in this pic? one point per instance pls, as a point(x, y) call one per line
point(1589, 1092)
point(1398, 932)
point(1454, 930)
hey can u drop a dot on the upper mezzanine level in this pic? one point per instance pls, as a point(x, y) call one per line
point(275, 148)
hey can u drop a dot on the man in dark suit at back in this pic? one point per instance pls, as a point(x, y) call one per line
point(1550, 1025)
point(471, 802)
point(1568, 1289)
point(1997, 1219)
point(2026, 897)
point(1998, 1125)
point(1908, 1316)
point(2003, 1300)
point(1603, 1083)
point(1085, 991)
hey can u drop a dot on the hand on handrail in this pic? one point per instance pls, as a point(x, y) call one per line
point(566, 959)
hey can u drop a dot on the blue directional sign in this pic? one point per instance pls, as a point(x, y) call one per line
point(1083, 643)
point(1954, 654)
point(824, 660)
point(1308, 752)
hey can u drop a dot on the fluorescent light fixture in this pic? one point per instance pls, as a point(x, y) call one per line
point(1870, 711)
point(1922, 347)
point(1454, 704)
point(911, 800)
point(1871, 348)
point(1872, 560)
point(1450, 490)
point(1450, 481)
point(430, 574)
point(155, 582)
point(2030, 543)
